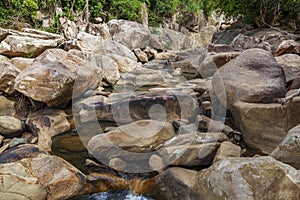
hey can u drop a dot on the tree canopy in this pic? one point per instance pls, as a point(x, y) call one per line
point(13, 12)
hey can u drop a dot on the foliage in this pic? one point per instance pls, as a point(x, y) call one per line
point(13, 13)
point(260, 11)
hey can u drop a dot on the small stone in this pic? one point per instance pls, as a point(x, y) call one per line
point(10, 126)
point(118, 164)
point(156, 163)
point(142, 56)
point(17, 141)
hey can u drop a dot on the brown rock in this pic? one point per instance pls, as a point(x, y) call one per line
point(288, 46)
point(10, 126)
point(52, 76)
point(288, 151)
point(290, 64)
point(8, 74)
point(264, 126)
point(21, 63)
point(254, 77)
point(243, 42)
point(227, 149)
point(7, 107)
point(247, 178)
point(47, 124)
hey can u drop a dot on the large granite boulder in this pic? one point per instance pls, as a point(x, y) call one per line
point(43, 176)
point(52, 76)
point(28, 43)
point(125, 108)
point(254, 77)
point(132, 143)
point(95, 44)
point(247, 178)
point(129, 33)
point(288, 151)
point(264, 126)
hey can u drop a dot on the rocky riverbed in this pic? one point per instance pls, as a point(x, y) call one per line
point(118, 110)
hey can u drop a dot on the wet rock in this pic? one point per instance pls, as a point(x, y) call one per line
point(227, 149)
point(47, 124)
point(7, 107)
point(247, 178)
point(129, 33)
point(287, 47)
point(129, 142)
point(8, 74)
point(243, 42)
point(264, 126)
point(288, 151)
point(10, 126)
point(56, 178)
point(175, 183)
point(21, 63)
point(192, 155)
point(96, 45)
point(291, 65)
point(254, 77)
point(51, 77)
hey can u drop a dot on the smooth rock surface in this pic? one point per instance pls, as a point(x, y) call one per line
point(51, 77)
point(247, 178)
point(252, 77)
point(10, 126)
point(288, 151)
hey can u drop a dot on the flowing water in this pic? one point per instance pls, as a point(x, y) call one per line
point(70, 147)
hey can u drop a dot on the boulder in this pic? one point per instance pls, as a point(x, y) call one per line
point(21, 63)
point(131, 143)
point(204, 36)
point(125, 64)
point(129, 33)
point(52, 76)
point(22, 46)
point(42, 174)
point(8, 74)
point(214, 61)
point(47, 124)
point(141, 55)
point(287, 47)
point(174, 183)
point(125, 108)
point(19, 183)
point(247, 178)
point(264, 126)
point(254, 77)
point(226, 150)
point(290, 64)
point(191, 155)
point(7, 107)
point(10, 126)
point(96, 45)
point(288, 151)
point(243, 42)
